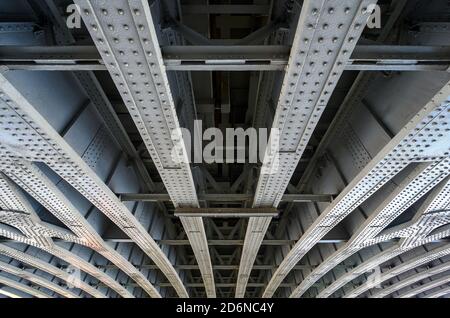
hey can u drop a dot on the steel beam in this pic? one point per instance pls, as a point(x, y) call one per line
point(402, 268)
point(226, 212)
point(35, 183)
point(225, 9)
point(223, 197)
point(306, 89)
point(133, 57)
point(419, 182)
point(23, 288)
point(413, 234)
point(395, 156)
point(227, 58)
point(35, 279)
point(439, 293)
point(413, 280)
point(9, 294)
point(48, 268)
point(11, 198)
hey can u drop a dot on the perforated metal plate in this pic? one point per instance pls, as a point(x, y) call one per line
point(413, 235)
point(33, 181)
point(46, 267)
point(416, 184)
point(12, 199)
point(36, 280)
point(125, 36)
point(404, 267)
point(414, 279)
point(422, 139)
point(325, 37)
point(27, 135)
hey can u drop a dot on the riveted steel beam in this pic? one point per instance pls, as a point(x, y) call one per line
point(413, 234)
point(34, 182)
point(402, 268)
point(441, 292)
point(420, 181)
point(48, 268)
point(224, 197)
point(226, 212)
point(12, 198)
point(35, 279)
point(414, 279)
point(306, 89)
point(23, 288)
point(395, 156)
point(125, 35)
point(226, 58)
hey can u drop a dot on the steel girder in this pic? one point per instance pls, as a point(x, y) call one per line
point(402, 268)
point(416, 184)
point(440, 292)
point(413, 234)
point(48, 268)
point(409, 145)
point(35, 279)
point(12, 199)
point(23, 288)
point(9, 294)
point(226, 58)
point(414, 279)
point(34, 182)
point(316, 63)
point(125, 34)
point(52, 150)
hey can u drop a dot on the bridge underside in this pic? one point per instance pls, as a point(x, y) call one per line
point(98, 199)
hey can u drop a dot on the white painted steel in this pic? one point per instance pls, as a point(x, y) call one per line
point(325, 37)
point(125, 35)
point(48, 268)
point(35, 279)
point(39, 142)
point(424, 138)
point(22, 287)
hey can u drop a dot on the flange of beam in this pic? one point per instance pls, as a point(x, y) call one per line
point(22, 287)
point(12, 198)
point(414, 279)
point(419, 182)
point(35, 279)
point(316, 62)
point(414, 233)
point(34, 182)
point(226, 212)
point(415, 142)
point(48, 268)
point(226, 58)
point(125, 35)
point(440, 293)
point(404, 267)
point(50, 148)
point(431, 285)
point(9, 294)
point(223, 197)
